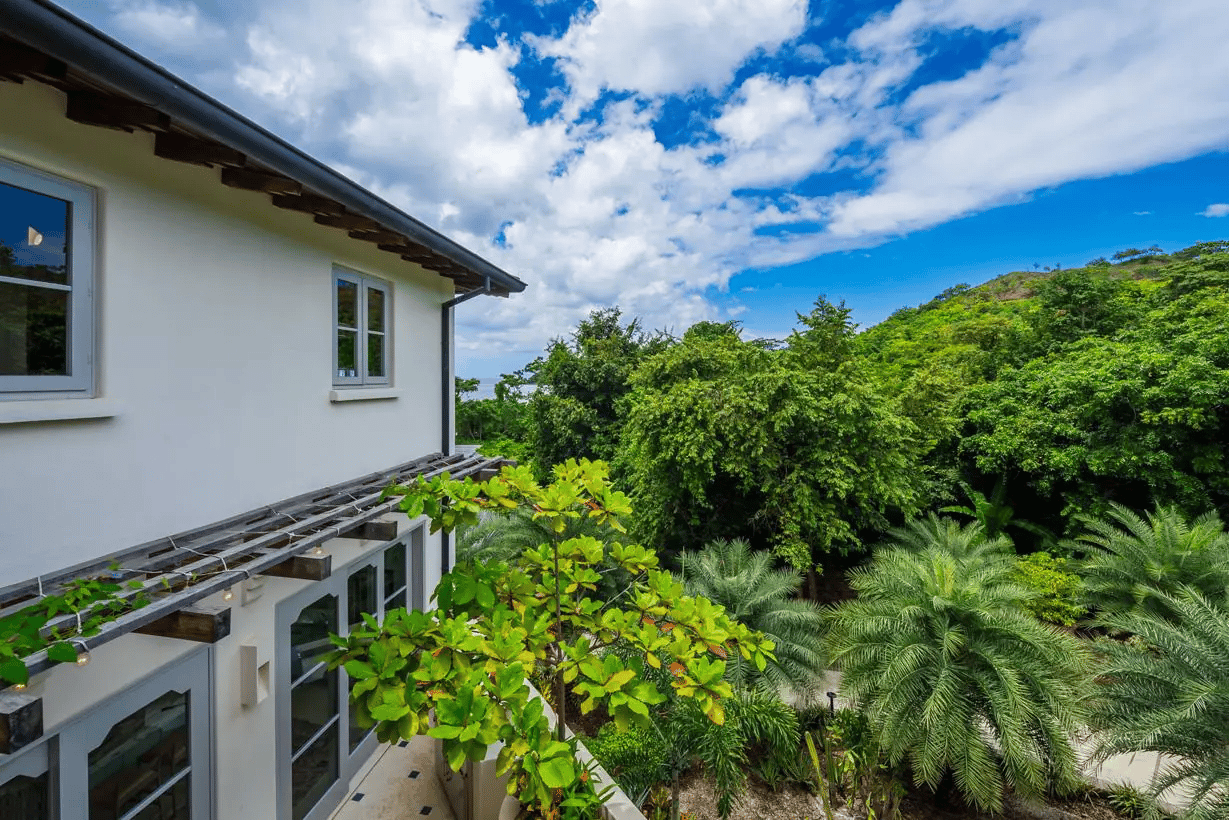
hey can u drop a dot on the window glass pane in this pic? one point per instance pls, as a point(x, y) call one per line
point(172, 804)
point(347, 361)
point(313, 703)
point(309, 635)
point(375, 309)
point(33, 330)
point(375, 355)
point(361, 596)
point(394, 575)
point(33, 235)
point(26, 797)
point(347, 304)
point(140, 753)
point(312, 773)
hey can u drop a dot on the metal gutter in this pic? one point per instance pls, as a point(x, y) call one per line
point(58, 34)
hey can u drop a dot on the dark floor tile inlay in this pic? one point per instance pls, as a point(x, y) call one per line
point(425, 810)
point(414, 774)
point(404, 743)
point(357, 797)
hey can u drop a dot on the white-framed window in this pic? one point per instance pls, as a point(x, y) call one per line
point(46, 284)
point(363, 329)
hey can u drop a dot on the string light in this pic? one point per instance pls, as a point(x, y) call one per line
point(83, 657)
point(317, 550)
point(17, 687)
point(228, 594)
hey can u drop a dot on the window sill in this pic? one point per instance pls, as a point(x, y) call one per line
point(363, 394)
point(19, 411)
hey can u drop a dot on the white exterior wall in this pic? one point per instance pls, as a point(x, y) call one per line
point(215, 344)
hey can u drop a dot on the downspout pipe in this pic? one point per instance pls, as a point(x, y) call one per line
point(448, 390)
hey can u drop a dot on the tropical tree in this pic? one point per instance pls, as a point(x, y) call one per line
point(789, 446)
point(1167, 691)
point(965, 541)
point(956, 678)
point(744, 582)
point(1135, 561)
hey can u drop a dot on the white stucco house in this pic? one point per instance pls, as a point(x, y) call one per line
point(214, 353)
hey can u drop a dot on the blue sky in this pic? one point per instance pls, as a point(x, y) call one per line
point(733, 159)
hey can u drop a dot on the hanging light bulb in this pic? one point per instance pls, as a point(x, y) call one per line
point(83, 657)
point(317, 550)
point(228, 594)
point(17, 687)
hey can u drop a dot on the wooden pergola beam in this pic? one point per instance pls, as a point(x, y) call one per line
point(182, 148)
point(250, 180)
point(303, 567)
point(89, 108)
point(200, 623)
point(21, 721)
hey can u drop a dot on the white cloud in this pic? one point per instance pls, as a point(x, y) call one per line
point(1217, 209)
point(1141, 213)
point(653, 47)
point(173, 26)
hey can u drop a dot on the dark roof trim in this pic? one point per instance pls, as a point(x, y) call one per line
point(60, 35)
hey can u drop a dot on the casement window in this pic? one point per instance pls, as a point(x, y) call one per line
point(46, 284)
point(362, 321)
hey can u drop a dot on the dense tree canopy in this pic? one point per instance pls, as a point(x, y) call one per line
point(791, 444)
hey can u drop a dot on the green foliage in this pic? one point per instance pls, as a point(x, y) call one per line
point(756, 595)
point(635, 757)
point(1136, 562)
point(869, 783)
point(1058, 593)
point(1167, 691)
point(578, 408)
point(966, 542)
point(760, 734)
point(1130, 802)
point(956, 677)
point(468, 659)
point(789, 445)
point(94, 602)
point(994, 514)
point(503, 418)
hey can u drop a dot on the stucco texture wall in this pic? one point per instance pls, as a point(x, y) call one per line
point(214, 326)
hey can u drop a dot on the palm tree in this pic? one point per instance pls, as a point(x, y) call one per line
point(497, 538)
point(956, 678)
point(1135, 561)
point(743, 581)
point(1168, 692)
point(967, 542)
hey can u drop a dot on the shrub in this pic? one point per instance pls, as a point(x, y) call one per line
point(634, 758)
point(1058, 591)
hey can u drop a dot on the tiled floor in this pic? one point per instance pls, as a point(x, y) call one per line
point(399, 785)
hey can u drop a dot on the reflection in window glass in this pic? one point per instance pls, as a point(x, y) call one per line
point(309, 635)
point(394, 577)
point(360, 598)
point(347, 304)
point(26, 797)
point(33, 236)
point(33, 330)
point(314, 714)
point(312, 773)
point(375, 309)
point(375, 355)
point(142, 757)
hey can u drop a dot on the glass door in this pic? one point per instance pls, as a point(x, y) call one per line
point(25, 786)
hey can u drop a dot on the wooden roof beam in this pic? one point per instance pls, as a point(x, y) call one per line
point(250, 180)
point(17, 59)
point(304, 567)
point(182, 148)
point(349, 222)
point(105, 111)
point(309, 204)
